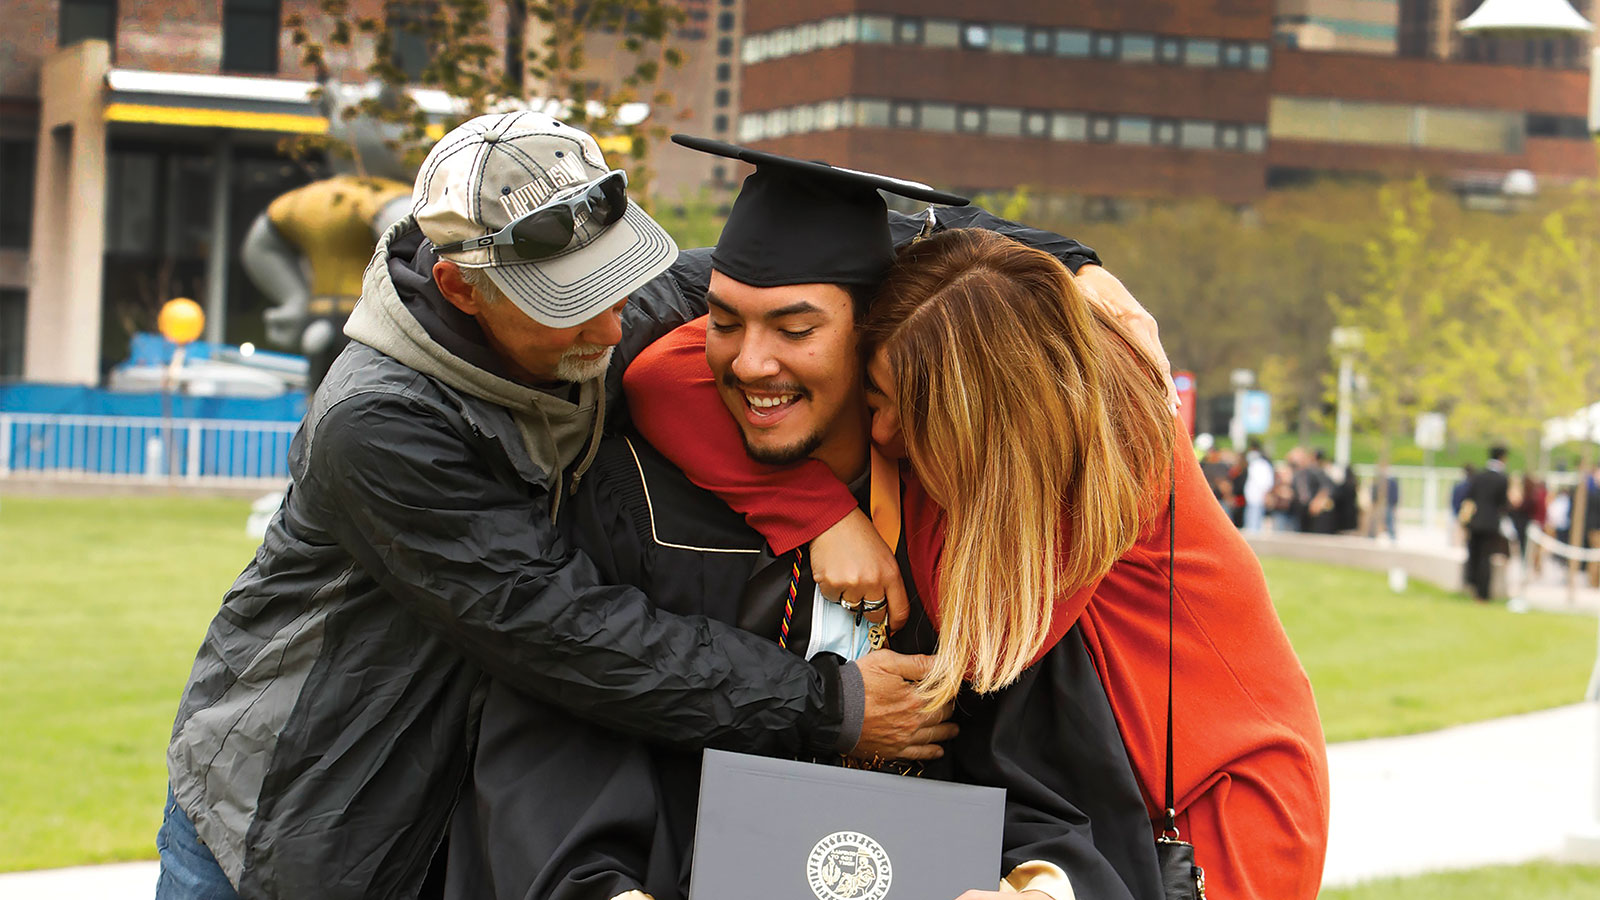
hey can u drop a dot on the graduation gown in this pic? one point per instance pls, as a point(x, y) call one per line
point(1251, 769)
point(557, 809)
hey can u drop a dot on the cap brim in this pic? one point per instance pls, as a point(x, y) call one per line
point(913, 190)
point(571, 289)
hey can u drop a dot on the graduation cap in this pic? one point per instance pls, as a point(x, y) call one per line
point(797, 221)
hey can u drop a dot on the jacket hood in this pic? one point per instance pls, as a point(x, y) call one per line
point(403, 315)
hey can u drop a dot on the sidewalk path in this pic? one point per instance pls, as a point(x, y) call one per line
point(1503, 791)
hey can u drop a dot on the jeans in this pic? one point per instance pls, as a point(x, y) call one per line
point(1254, 514)
point(188, 870)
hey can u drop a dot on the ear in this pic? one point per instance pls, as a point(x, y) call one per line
point(460, 294)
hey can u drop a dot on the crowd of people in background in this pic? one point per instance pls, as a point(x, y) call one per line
point(1301, 492)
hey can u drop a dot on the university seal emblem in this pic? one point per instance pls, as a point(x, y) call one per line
point(848, 865)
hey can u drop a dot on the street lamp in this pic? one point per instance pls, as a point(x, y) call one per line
point(1531, 19)
point(1345, 341)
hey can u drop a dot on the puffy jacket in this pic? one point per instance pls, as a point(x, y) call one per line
point(326, 726)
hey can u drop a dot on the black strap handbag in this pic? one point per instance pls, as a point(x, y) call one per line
point(1181, 879)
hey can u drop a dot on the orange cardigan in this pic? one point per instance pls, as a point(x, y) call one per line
point(1250, 773)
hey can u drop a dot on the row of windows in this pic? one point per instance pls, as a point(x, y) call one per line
point(1005, 37)
point(249, 30)
point(1003, 121)
point(1397, 125)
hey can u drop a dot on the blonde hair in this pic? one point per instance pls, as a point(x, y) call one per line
point(1037, 423)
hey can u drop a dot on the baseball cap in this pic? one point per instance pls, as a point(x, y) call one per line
point(494, 168)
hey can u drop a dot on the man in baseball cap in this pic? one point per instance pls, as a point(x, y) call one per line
point(327, 723)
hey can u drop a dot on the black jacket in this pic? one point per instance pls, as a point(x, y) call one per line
point(558, 809)
point(1487, 490)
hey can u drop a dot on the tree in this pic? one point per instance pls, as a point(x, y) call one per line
point(488, 55)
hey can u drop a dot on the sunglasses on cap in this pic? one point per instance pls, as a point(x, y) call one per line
point(550, 229)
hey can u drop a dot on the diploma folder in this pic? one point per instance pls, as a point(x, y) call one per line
point(777, 829)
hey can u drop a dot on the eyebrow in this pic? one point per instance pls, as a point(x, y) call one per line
point(799, 307)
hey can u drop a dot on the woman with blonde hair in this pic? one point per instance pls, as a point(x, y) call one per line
point(1046, 489)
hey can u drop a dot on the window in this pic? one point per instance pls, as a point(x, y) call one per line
point(1198, 135)
point(719, 124)
point(908, 31)
point(1255, 139)
point(16, 185)
point(975, 36)
point(1203, 54)
point(828, 114)
point(780, 43)
point(1138, 48)
point(250, 36)
point(725, 21)
point(1105, 45)
point(938, 117)
point(777, 123)
point(1102, 128)
point(1005, 121)
point(1071, 42)
point(805, 38)
point(1169, 51)
point(872, 113)
point(1036, 123)
point(1039, 41)
point(1010, 39)
point(1234, 55)
point(876, 30)
point(1471, 130)
point(1230, 137)
point(903, 113)
point(831, 34)
point(83, 20)
point(722, 97)
point(803, 119)
point(1260, 57)
point(970, 119)
point(1133, 130)
point(752, 127)
point(941, 33)
point(1165, 133)
point(724, 71)
point(719, 174)
point(1069, 127)
point(407, 23)
point(725, 46)
point(13, 329)
point(755, 49)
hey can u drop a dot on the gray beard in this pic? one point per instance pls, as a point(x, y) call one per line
point(571, 368)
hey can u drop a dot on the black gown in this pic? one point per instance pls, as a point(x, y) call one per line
point(558, 809)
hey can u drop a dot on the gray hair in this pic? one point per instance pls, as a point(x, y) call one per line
point(478, 279)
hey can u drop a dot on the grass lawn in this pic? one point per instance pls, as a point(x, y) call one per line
point(1383, 664)
point(105, 601)
point(1537, 881)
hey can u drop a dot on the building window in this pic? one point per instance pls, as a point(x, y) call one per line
point(719, 174)
point(904, 114)
point(755, 49)
point(1198, 135)
point(1234, 55)
point(725, 21)
point(1105, 45)
point(938, 117)
point(13, 332)
point(1005, 121)
point(720, 123)
point(804, 119)
point(752, 127)
point(83, 20)
point(1260, 57)
point(724, 71)
point(975, 36)
point(722, 97)
point(1255, 139)
point(1039, 41)
point(876, 30)
point(941, 33)
point(1202, 53)
point(908, 31)
point(970, 119)
point(1036, 123)
point(777, 123)
point(1072, 42)
point(806, 38)
point(408, 35)
point(724, 46)
point(1010, 39)
point(829, 114)
point(1169, 51)
point(1102, 129)
point(16, 185)
point(831, 34)
point(1133, 130)
point(872, 113)
point(1230, 137)
point(1069, 127)
point(1165, 133)
point(1138, 48)
point(250, 31)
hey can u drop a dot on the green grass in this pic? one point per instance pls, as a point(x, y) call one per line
point(103, 606)
point(1385, 664)
point(105, 601)
point(1536, 881)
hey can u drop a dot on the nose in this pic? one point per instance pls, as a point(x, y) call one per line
point(754, 360)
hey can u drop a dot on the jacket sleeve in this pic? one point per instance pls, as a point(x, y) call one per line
point(472, 555)
point(1075, 822)
point(678, 410)
point(662, 304)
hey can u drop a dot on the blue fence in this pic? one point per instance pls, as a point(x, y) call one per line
point(144, 448)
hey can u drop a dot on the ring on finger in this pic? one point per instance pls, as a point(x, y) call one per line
point(873, 605)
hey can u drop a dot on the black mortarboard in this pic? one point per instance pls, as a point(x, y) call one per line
point(802, 222)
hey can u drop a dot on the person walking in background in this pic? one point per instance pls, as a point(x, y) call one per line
point(1346, 503)
point(1258, 480)
point(1280, 501)
point(1391, 501)
point(1313, 492)
point(1527, 496)
point(1485, 503)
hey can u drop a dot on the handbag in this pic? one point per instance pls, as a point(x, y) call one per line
point(1181, 879)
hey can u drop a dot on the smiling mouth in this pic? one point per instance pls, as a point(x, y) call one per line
point(766, 405)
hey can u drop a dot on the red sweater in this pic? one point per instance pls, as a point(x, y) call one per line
point(1251, 772)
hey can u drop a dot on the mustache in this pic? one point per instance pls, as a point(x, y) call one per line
point(730, 380)
point(585, 349)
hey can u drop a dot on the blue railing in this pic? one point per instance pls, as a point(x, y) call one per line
point(144, 448)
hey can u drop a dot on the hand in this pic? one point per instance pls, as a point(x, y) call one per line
point(1109, 295)
point(897, 724)
point(851, 564)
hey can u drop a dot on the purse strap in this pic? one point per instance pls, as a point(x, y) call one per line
point(1170, 824)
